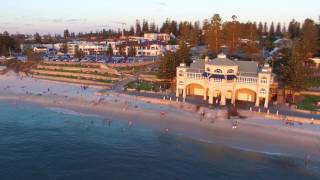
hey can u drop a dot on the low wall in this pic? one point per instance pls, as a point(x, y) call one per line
point(145, 63)
point(311, 93)
point(91, 76)
point(151, 78)
point(75, 81)
point(73, 68)
point(278, 117)
point(306, 111)
point(101, 68)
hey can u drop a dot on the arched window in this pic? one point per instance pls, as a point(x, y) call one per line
point(230, 71)
point(181, 73)
point(219, 71)
point(264, 80)
point(263, 91)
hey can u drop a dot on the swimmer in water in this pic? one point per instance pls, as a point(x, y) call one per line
point(109, 123)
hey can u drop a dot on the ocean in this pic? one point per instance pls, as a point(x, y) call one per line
point(40, 143)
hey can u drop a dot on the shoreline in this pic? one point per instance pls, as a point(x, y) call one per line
point(257, 132)
point(247, 137)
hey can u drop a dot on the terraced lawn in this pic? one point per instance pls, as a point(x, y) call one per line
point(80, 71)
point(80, 78)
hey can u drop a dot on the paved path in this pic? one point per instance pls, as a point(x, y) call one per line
point(283, 110)
point(119, 87)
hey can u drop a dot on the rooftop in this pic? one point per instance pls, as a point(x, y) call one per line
point(222, 60)
point(245, 67)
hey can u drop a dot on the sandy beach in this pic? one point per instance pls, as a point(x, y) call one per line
point(252, 134)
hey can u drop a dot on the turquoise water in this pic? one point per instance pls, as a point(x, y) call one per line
point(39, 143)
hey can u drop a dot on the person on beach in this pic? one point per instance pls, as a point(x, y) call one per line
point(235, 124)
point(202, 116)
point(307, 160)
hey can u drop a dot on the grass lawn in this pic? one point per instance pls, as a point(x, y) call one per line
point(144, 85)
point(79, 71)
point(309, 103)
point(81, 78)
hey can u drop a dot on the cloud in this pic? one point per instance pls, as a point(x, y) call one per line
point(75, 20)
point(162, 3)
point(57, 20)
point(103, 26)
point(69, 21)
point(28, 25)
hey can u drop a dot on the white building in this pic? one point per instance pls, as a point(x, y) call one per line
point(93, 49)
point(222, 80)
point(157, 37)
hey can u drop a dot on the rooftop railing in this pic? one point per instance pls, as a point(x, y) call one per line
point(240, 78)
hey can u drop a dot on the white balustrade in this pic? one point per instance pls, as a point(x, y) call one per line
point(247, 80)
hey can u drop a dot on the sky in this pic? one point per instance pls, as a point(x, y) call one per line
point(53, 16)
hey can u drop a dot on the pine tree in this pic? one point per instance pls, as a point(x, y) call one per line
point(169, 27)
point(168, 65)
point(189, 33)
point(265, 28)
point(213, 36)
point(260, 29)
point(66, 34)
point(109, 50)
point(138, 28)
point(309, 37)
point(183, 53)
point(294, 29)
point(145, 26)
point(271, 31)
point(37, 38)
point(278, 30)
point(231, 31)
point(294, 75)
point(131, 31)
point(153, 28)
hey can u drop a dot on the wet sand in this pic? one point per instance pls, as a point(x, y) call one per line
point(252, 134)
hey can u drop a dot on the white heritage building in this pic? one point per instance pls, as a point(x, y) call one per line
point(222, 80)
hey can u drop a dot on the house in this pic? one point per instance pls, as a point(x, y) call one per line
point(40, 49)
point(222, 80)
point(72, 48)
point(157, 37)
point(155, 48)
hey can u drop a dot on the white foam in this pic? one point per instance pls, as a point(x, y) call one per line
point(258, 151)
point(70, 112)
